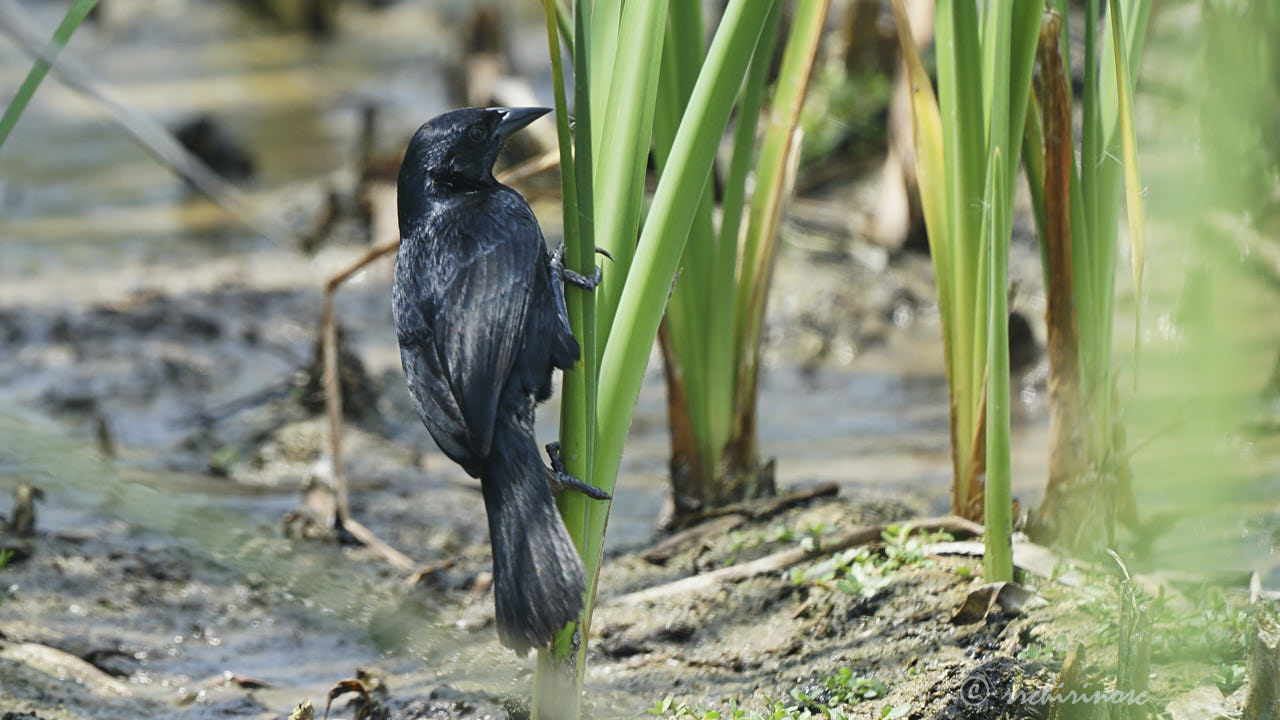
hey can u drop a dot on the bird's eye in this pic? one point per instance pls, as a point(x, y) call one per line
point(476, 133)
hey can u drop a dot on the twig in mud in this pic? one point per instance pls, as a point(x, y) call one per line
point(333, 409)
point(59, 663)
point(333, 387)
point(427, 571)
point(663, 551)
point(765, 507)
point(1028, 556)
point(786, 558)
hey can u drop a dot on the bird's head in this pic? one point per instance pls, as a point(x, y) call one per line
point(455, 151)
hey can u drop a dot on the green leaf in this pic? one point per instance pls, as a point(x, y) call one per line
point(1132, 179)
point(619, 178)
point(670, 216)
point(775, 174)
point(998, 524)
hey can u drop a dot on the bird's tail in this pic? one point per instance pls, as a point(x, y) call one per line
point(538, 578)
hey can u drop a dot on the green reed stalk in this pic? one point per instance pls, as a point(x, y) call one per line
point(968, 142)
point(617, 53)
point(556, 685)
point(714, 319)
point(997, 560)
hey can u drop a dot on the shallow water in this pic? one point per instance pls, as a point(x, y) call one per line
point(77, 187)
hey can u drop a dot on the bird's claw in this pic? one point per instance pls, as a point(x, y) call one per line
point(606, 253)
point(582, 281)
point(561, 480)
point(572, 277)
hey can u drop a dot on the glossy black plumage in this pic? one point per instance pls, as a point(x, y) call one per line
point(479, 314)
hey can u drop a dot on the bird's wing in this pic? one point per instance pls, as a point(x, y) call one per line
point(481, 316)
point(435, 402)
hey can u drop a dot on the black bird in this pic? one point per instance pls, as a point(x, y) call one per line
point(480, 316)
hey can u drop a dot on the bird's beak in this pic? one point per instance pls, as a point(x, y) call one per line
point(515, 118)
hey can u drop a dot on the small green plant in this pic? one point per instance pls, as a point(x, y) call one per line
point(1212, 627)
point(780, 534)
point(737, 543)
point(902, 547)
point(827, 699)
point(778, 710)
point(816, 529)
point(667, 707)
point(863, 578)
point(1229, 678)
point(862, 571)
point(832, 696)
point(1054, 650)
point(846, 689)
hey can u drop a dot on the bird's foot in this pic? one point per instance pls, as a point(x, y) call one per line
point(582, 281)
point(561, 480)
point(572, 277)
